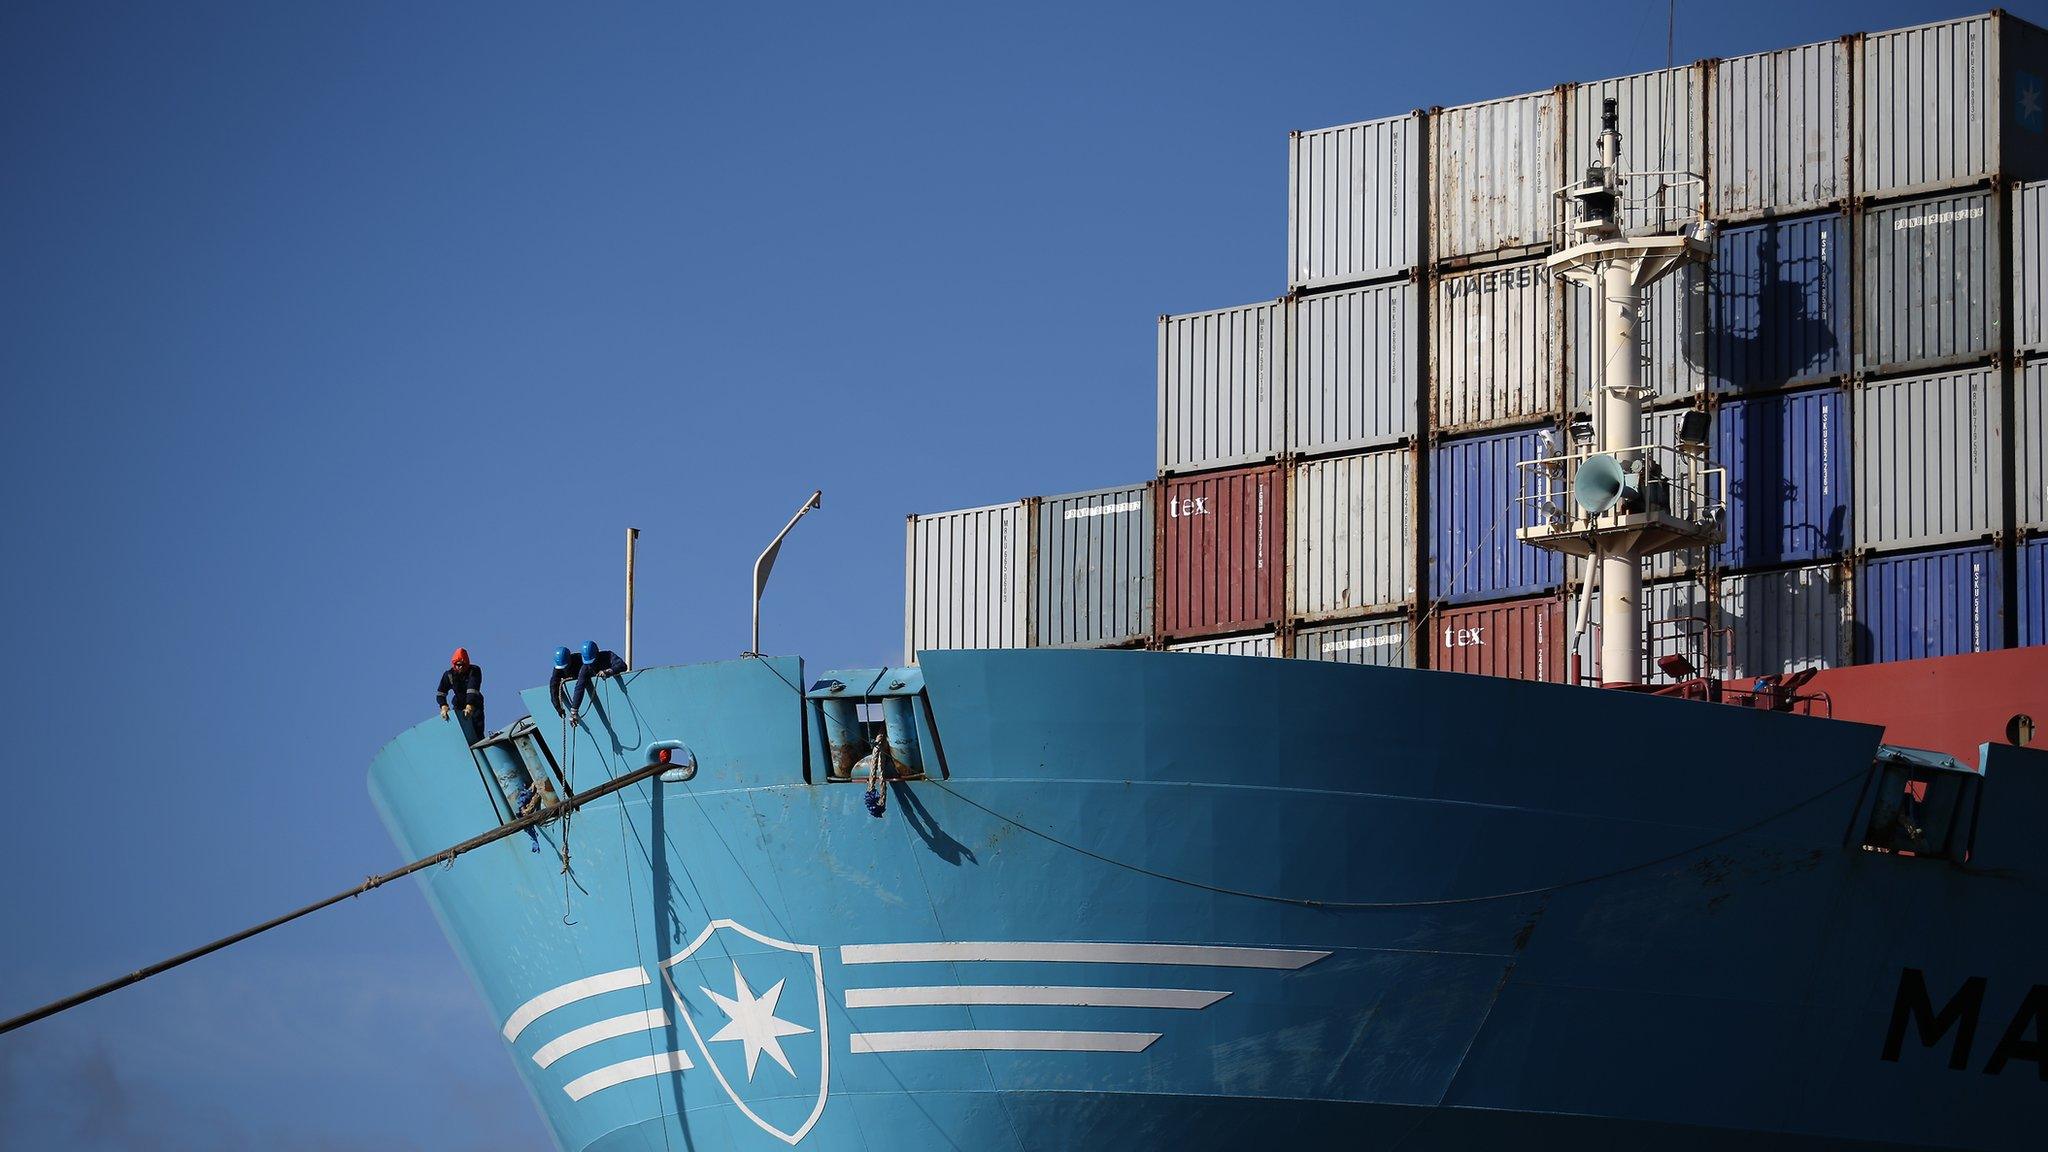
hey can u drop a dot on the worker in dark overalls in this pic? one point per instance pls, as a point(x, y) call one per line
point(582, 666)
point(462, 686)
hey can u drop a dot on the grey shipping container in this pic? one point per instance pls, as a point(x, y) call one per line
point(1779, 125)
point(1219, 403)
point(1786, 621)
point(1928, 282)
point(1350, 544)
point(1354, 202)
point(1662, 118)
point(1383, 643)
point(1494, 347)
point(1092, 568)
point(1355, 370)
point(1229, 646)
point(1493, 167)
point(2030, 267)
point(1949, 104)
point(1928, 459)
point(2030, 447)
point(964, 576)
point(1671, 345)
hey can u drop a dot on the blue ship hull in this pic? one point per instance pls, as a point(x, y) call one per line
point(1157, 900)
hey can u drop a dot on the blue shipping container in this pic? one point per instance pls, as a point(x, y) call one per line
point(1780, 304)
point(2033, 594)
point(1473, 552)
point(1788, 478)
point(1941, 603)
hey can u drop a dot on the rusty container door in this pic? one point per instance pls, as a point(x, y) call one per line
point(1352, 544)
point(1493, 168)
point(1493, 350)
point(1519, 639)
point(1222, 552)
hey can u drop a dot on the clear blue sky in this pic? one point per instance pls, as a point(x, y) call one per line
point(335, 335)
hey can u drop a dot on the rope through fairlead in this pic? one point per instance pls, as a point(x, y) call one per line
point(568, 804)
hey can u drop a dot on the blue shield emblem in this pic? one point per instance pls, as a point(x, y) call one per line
point(755, 1006)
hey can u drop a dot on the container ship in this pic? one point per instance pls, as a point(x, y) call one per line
point(1570, 682)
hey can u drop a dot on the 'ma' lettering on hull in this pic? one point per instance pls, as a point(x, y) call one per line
point(2024, 1038)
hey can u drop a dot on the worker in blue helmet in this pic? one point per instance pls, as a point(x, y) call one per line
point(581, 666)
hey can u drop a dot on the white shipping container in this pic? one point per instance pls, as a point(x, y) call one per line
point(1662, 119)
point(1354, 202)
point(1356, 369)
point(1779, 131)
point(1351, 541)
point(1219, 404)
point(964, 579)
point(1928, 459)
point(1494, 347)
point(1493, 167)
point(1229, 646)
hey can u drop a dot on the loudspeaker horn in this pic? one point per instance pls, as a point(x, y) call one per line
point(1600, 483)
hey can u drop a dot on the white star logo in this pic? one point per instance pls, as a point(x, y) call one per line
point(2030, 102)
point(753, 1022)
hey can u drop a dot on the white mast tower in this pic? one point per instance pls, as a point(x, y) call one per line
point(1633, 499)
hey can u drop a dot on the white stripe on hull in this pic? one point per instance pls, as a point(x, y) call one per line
point(989, 1040)
point(1193, 955)
point(590, 1034)
point(638, 1068)
point(570, 993)
point(1033, 994)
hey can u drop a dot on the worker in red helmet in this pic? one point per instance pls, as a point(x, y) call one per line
point(463, 685)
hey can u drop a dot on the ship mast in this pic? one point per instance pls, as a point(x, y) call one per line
point(1632, 499)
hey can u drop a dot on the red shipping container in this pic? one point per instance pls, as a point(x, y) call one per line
point(1221, 551)
point(1520, 639)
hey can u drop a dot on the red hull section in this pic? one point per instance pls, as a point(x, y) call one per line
point(1948, 704)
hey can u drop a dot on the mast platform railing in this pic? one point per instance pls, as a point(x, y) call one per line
point(1670, 498)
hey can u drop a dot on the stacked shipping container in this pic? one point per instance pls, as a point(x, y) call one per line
point(1866, 340)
